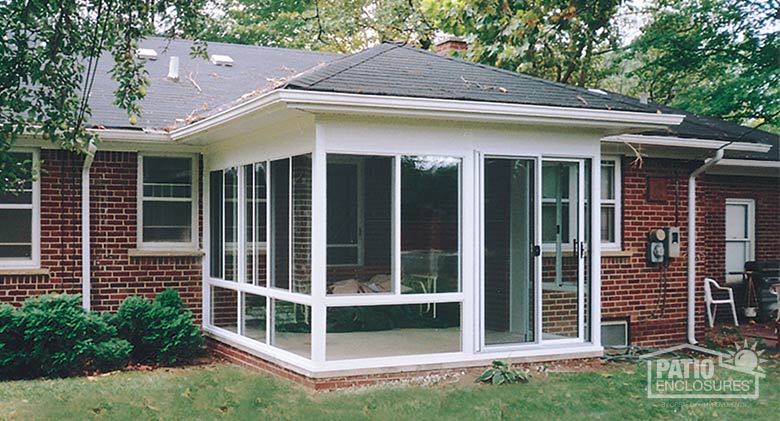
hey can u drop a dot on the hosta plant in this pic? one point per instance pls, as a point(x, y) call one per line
point(501, 373)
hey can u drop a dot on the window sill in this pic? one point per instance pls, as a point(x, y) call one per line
point(28, 271)
point(617, 253)
point(165, 253)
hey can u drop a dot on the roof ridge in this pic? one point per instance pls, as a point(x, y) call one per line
point(499, 70)
point(370, 55)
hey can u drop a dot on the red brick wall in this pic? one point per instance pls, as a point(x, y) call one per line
point(634, 290)
point(765, 192)
point(115, 274)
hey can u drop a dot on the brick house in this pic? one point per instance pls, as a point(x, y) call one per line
point(394, 210)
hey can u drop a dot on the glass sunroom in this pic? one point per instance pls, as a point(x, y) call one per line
point(355, 244)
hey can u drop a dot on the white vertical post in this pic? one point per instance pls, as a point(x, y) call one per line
point(290, 226)
point(580, 250)
point(594, 299)
point(470, 198)
point(397, 224)
point(269, 255)
point(240, 244)
point(205, 198)
point(538, 259)
point(318, 249)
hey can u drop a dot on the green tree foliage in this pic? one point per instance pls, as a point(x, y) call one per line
point(271, 23)
point(559, 40)
point(335, 25)
point(48, 55)
point(719, 58)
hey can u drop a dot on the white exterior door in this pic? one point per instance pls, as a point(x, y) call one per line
point(740, 236)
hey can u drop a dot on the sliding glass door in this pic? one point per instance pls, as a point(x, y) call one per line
point(533, 219)
point(509, 258)
point(563, 249)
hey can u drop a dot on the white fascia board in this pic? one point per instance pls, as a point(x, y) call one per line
point(679, 142)
point(471, 110)
point(122, 140)
point(329, 102)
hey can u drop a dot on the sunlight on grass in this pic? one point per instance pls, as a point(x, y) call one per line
point(226, 391)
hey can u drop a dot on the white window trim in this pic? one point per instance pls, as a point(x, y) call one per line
point(750, 204)
point(360, 173)
point(193, 243)
point(616, 245)
point(35, 261)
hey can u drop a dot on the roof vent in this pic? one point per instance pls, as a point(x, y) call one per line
point(597, 91)
point(173, 69)
point(221, 60)
point(146, 53)
point(643, 97)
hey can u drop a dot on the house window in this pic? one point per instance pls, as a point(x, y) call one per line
point(610, 203)
point(167, 196)
point(19, 211)
point(740, 236)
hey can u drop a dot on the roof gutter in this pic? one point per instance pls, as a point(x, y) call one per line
point(340, 103)
point(86, 258)
point(679, 142)
point(692, 242)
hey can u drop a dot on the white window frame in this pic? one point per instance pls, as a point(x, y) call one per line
point(360, 174)
point(750, 214)
point(147, 245)
point(34, 262)
point(617, 203)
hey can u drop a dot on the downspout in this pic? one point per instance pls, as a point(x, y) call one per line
point(692, 242)
point(86, 259)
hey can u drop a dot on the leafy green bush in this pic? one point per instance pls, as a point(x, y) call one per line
point(501, 373)
point(53, 336)
point(11, 342)
point(160, 331)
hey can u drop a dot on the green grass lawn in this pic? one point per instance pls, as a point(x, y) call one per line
point(226, 391)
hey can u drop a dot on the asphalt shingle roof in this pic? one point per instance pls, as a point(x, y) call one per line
point(399, 70)
point(254, 68)
point(390, 69)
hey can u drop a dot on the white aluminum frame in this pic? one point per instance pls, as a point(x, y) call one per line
point(34, 262)
point(169, 245)
point(538, 286)
point(328, 140)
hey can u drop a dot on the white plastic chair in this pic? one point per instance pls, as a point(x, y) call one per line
point(711, 302)
point(775, 290)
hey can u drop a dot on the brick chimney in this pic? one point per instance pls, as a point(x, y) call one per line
point(450, 45)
